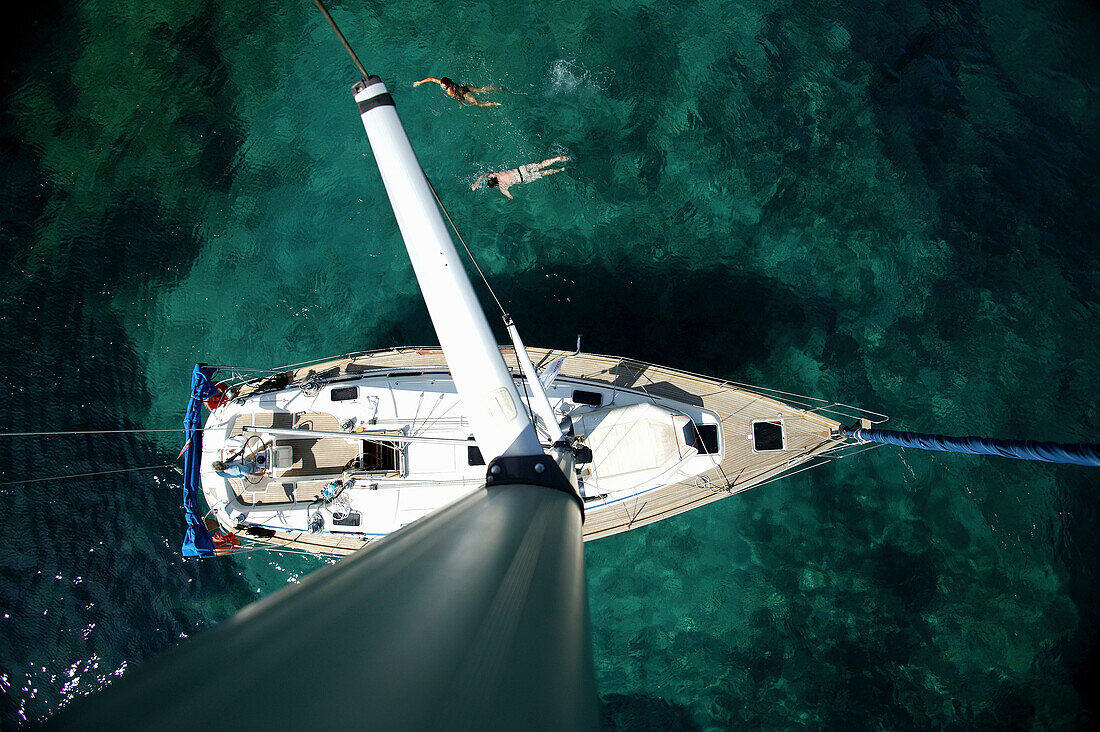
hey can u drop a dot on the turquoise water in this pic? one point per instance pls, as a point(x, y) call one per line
point(887, 205)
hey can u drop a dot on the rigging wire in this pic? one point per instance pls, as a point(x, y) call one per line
point(86, 475)
point(464, 246)
point(90, 432)
point(530, 411)
point(354, 58)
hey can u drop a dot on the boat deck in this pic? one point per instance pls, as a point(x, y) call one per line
point(321, 460)
point(808, 434)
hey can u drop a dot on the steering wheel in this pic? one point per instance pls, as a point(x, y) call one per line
point(256, 447)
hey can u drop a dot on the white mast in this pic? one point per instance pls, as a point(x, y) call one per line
point(500, 424)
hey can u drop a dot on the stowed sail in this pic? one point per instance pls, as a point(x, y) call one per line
point(197, 541)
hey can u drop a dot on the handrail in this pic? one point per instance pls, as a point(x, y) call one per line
point(812, 404)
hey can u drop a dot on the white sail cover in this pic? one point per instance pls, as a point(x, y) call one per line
point(632, 445)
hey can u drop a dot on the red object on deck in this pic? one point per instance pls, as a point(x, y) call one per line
point(225, 542)
point(218, 399)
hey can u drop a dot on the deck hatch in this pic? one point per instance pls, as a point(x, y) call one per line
point(767, 436)
point(352, 519)
point(344, 393)
point(380, 457)
point(707, 444)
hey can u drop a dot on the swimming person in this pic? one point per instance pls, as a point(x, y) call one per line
point(462, 93)
point(523, 174)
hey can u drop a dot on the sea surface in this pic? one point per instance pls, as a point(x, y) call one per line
point(894, 205)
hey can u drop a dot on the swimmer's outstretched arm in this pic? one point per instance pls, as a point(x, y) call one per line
point(477, 182)
point(425, 81)
point(504, 190)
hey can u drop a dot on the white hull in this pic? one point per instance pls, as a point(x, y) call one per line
point(395, 484)
point(643, 467)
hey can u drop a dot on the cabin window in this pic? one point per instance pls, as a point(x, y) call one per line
point(767, 436)
point(352, 519)
point(473, 455)
point(344, 393)
point(592, 398)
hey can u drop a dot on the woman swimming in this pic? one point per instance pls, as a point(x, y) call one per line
point(462, 93)
point(523, 174)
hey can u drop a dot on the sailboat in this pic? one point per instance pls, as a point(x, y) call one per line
point(330, 456)
point(354, 448)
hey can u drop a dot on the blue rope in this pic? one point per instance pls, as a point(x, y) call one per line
point(1050, 452)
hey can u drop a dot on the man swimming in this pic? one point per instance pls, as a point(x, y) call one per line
point(462, 93)
point(523, 174)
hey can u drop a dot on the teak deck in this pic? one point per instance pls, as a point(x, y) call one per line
point(807, 434)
